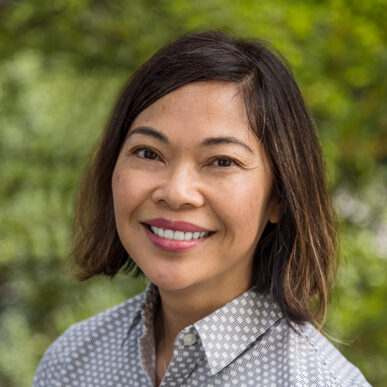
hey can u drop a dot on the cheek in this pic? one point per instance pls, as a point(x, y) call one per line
point(126, 191)
point(120, 188)
point(242, 207)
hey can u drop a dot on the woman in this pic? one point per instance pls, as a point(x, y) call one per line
point(209, 180)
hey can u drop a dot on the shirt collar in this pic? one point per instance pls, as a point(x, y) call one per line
point(149, 306)
point(239, 323)
point(145, 309)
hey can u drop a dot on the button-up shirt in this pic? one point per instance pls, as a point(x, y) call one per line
point(247, 342)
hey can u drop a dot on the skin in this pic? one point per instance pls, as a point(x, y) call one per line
point(225, 188)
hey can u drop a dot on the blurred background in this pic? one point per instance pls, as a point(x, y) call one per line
point(62, 65)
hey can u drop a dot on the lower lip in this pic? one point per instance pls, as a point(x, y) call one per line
point(173, 245)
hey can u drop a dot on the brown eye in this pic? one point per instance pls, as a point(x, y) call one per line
point(146, 154)
point(223, 162)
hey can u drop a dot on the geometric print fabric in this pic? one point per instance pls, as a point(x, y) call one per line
point(247, 342)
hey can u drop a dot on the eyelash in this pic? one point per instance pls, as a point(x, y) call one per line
point(138, 150)
point(218, 158)
point(233, 162)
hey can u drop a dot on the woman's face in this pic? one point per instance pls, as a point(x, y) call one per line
point(192, 189)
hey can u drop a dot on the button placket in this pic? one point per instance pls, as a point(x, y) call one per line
point(184, 360)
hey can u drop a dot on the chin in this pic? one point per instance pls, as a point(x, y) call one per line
point(170, 284)
point(170, 281)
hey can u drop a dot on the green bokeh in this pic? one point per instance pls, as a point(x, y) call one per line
point(62, 64)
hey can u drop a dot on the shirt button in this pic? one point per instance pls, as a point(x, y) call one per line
point(189, 339)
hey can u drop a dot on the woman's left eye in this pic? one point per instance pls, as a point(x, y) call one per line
point(224, 162)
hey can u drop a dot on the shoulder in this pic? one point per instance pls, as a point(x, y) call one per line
point(110, 327)
point(114, 321)
point(313, 358)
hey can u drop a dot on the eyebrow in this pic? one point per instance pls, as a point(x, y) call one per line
point(225, 140)
point(148, 131)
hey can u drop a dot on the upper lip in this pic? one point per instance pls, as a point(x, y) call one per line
point(175, 225)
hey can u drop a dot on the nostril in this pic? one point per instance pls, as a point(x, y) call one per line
point(177, 196)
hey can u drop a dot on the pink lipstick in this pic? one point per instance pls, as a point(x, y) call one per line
point(175, 236)
point(178, 225)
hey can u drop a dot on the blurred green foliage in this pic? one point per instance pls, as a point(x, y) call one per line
point(62, 64)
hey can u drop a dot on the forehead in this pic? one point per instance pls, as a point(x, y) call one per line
point(200, 109)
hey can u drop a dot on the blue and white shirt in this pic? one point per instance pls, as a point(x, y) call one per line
point(247, 342)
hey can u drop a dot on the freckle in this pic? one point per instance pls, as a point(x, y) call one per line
point(117, 177)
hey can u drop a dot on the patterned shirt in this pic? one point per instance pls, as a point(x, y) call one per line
point(247, 342)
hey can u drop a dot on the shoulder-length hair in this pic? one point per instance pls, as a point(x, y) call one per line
point(295, 258)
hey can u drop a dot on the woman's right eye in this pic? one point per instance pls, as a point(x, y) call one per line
point(146, 153)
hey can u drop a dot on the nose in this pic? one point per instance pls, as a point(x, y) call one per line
point(179, 189)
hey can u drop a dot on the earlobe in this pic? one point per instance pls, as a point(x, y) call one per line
point(275, 211)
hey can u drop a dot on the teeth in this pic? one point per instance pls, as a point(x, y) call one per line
point(177, 235)
point(168, 234)
point(158, 231)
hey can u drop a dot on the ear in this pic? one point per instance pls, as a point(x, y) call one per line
point(274, 213)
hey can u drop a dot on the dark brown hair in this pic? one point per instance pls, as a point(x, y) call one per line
point(295, 258)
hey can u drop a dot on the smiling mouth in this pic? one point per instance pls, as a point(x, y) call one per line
point(177, 235)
